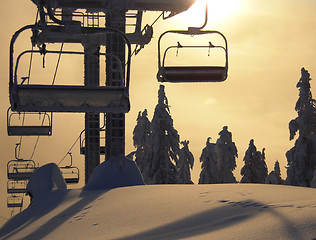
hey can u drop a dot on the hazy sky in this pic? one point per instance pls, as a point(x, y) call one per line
point(269, 42)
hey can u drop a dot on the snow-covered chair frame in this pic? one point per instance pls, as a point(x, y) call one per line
point(177, 74)
point(68, 98)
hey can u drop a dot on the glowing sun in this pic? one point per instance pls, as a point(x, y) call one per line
point(218, 10)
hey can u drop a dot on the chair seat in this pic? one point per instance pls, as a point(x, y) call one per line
point(71, 180)
point(194, 74)
point(29, 130)
point(64, 98)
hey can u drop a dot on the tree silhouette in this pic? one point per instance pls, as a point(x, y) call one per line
point(163, 147)
point(302, 157)
point(185, 163)
point(255, 168)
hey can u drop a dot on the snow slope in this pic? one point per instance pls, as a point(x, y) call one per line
point(217, 211)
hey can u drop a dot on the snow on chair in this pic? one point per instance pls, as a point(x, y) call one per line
point(41, 129)
point(27, 97)
point(192, 73)
point(70, 173)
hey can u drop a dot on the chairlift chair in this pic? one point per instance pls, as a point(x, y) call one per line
point(70, 173)
point(15, 201)
point(26, 97)
point(29, 130)
point(14, 187)
point(20, 169)
point(178, 74)
point(83, 147)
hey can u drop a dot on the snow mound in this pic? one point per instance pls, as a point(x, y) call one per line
point(44, 180)
point(169, 211)
point(116, 172)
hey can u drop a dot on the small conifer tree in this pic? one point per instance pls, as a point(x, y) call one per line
point(185, 163)
point(209, 172)
point(275, 176)
point(255, 169)
point(226, 153)
point(141, 136)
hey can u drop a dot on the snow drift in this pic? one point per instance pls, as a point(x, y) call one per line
point(44, 180)
point(185, 211)
point(206, 211)
point(116, 172)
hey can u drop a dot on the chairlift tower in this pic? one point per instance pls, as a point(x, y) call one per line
point(91, 98)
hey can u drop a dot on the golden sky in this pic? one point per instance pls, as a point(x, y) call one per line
point(269, 42)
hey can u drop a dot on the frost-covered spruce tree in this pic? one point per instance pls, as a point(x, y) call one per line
point(262, 169)
point(141, 135)
point(164, 144)
point(255, 168)
point(209, 172)
point(302, 157)
point(185, 163)
point(226, 153)
point(275, 176)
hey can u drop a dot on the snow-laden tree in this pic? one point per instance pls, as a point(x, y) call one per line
point(226, 153)
point(255, 168)
point(275, 176)
point(302, 157)
point(185, 163)
point(141, 136)
point(163, 145)
point(209, 172)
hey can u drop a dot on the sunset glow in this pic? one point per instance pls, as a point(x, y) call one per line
point(217, 11)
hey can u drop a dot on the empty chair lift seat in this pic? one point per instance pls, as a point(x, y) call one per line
point(15, 202)
point(29, 130)
point(44, 127)
point(16, 187)
point(194, 74)
point(20, 169)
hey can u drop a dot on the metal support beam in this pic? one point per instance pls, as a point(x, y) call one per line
point(92, 120)
point(115, 122)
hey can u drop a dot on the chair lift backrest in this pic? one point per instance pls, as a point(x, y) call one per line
point(67, 98)
point(15, 201)
point(178, 74)
point(29, 130)
point(70, 174)
point(14, 187)
point(20, 169)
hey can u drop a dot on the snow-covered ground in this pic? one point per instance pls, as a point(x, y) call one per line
point(217, 211)
point(110, 208)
